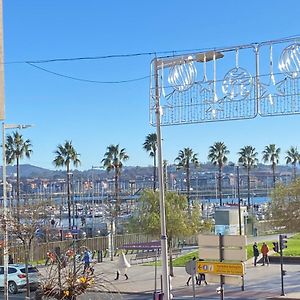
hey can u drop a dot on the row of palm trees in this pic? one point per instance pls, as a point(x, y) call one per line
point(66, 155)
point(112, 161)
point(218, 155)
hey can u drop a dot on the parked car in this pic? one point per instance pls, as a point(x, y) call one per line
point(17, 277)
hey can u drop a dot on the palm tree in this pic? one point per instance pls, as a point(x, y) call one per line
point(217, 155)
point(16, 149)
point(184, 160)
point(113, 160)
point(65, 155)
point(248, 159)
point(293, 157)
point(150, 145)
point(271, 154)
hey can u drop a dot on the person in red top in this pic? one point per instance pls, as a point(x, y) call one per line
point(264, 251)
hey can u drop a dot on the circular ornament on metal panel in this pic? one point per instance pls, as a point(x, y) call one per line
point(182, 76)
point(289, 62)
point(237, 84)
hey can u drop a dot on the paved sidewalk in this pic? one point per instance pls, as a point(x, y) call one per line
point(261, 282)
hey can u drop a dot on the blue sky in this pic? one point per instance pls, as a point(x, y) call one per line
point(95, 115)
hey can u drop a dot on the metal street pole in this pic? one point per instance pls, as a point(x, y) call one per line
point(239, 198)
point(5, 213)
point(240, 217)
point(164, 252)
point(281, 265)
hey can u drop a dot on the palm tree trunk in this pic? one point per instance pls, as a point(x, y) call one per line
point(117, 192)
point(248, 179)
point(69, 195)
point(18, 189)
point(154, 172)
point(188, 186)
point(220, 185)
point(295, 170)
point(274, 177)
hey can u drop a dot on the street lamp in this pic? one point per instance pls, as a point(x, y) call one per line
point(5, 206)
point(159, 64)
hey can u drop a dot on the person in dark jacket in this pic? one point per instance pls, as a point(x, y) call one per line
point(201, 276)
point(255, 253)
point(87, 260)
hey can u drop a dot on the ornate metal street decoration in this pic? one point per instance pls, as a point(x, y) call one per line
point(272, 90)
point(215, 103)
point(205, 84)
point(182, 76)
point(237, 83)
point(261, 87)
point(289, 62)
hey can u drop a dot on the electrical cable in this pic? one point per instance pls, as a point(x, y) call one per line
point(87, 80)
point(174, 52)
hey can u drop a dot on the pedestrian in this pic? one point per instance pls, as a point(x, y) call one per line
point(189, 279)
point(201, 276)
point(255, 253)
point(51, 258)
point(264, 251)
point(123, 266)
point(87, 260)
point(10, 259)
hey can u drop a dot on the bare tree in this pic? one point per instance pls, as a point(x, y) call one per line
point(67, 280)
point(23, 225)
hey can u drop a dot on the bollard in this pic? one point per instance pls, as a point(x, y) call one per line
point(100, 256)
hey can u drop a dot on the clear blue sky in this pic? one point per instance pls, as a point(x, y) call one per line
point(95, 115)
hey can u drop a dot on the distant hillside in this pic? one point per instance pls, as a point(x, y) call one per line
point(30, 171)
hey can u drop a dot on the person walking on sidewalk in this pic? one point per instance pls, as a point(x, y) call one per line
point(189, 279)
point(255, 253)
point(201, 276)
point(87, 260)
point(264, 251)
point(123, 265)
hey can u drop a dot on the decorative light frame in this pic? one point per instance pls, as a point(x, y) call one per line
point(266, 74)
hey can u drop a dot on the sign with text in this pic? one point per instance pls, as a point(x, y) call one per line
point(221, 268)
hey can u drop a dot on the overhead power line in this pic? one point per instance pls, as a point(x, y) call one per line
point(172, 53)
point(87, 80)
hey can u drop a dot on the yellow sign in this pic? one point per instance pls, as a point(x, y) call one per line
point(221, 268)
